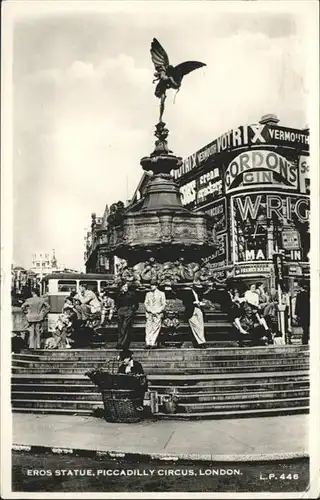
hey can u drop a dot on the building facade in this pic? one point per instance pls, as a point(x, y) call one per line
point(255, 183)
point(24, 280)
point(96, 256)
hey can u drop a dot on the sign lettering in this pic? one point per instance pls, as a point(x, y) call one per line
point(295, 255)
point(218, 210)
point(278, 267)
point(257, 130)
point(246, 135)
point(246, 207)
point(220, 253)
point(254, 255)
point(283, 207)
point(197, 190)
point(252, 269)
point(212, 188)
point(290, 239)
point(271, 163)
point(209, 176)
point(188, 193)
point(288, 135)
point(304, 174)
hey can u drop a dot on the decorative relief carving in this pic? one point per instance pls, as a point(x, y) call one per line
point(166, 229)
point(166, 273)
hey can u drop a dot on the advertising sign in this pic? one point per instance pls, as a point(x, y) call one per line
point(243, 136)
point(218, 211)
point(304, 174)
point(294, 270)
point(252, 269)
point(290, 239)
point(200, 190)
point(297, 139)
point(260, 167)
point(220, 254)
point(278, 267)
point(269, 205)
point(189, 192)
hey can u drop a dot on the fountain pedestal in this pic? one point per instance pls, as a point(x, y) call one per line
point(162, 228)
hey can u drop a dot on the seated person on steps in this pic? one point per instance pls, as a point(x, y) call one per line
point(107, 310)
point(129, 366)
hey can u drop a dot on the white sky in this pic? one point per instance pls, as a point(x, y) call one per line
point(84, 110)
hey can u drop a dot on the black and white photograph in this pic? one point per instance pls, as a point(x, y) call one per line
point(160, 249)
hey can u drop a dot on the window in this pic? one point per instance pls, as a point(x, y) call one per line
point(67, 286)
point(91, 285)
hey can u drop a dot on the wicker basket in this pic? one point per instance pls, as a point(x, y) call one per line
point(121, 395)
point(121, 406)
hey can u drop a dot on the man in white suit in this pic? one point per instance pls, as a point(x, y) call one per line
point(155, 303)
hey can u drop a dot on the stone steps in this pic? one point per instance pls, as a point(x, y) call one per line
point(89, 406)
point(258, 403)
point(228, 414)
point(217, 325)
point(260, 351)
point(200, 397)
point(211, 383)
point(188, 390)
point(174, 369)
point(166, 363)
point(178, 379)
point(161, 355)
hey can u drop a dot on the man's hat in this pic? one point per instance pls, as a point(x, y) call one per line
point(124, 354)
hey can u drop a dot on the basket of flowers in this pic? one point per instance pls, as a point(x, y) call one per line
point(122, 395)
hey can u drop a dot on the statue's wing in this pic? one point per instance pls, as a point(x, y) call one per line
point(188, 66)
point(158, 55)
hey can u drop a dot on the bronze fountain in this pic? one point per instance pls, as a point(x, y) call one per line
point(161, 228)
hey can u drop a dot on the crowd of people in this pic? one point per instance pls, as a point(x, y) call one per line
point(253, 313)
point(256, 313)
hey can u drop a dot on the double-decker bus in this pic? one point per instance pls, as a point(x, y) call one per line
point(57, 286)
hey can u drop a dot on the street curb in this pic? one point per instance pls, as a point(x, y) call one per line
point(161, 457)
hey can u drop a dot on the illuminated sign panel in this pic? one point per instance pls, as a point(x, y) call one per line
point(220, 255)
point(218, 211)
point(247, 136)
point(290, 239)
point(255, 182)
point(262, 222)
point(304, 174)
point(259, 167)
point(199, 190)
point(283, 207)
point(253, 269)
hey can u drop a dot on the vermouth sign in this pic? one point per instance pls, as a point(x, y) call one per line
point(247, 135)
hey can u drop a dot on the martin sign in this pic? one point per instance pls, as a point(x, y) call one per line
point(260, 167)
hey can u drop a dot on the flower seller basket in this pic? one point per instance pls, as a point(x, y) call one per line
point(121, 395)
point(120, 406)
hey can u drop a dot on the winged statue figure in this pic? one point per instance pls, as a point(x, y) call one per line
point(168, 76)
